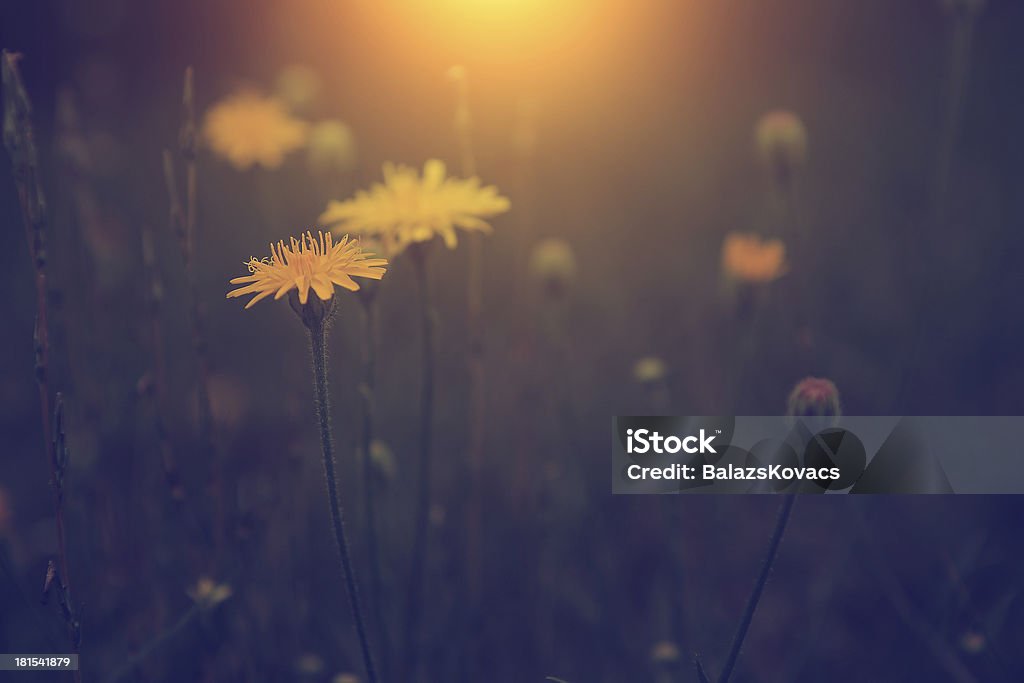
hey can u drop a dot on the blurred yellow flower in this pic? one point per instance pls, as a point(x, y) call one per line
point(310, 262)
point(207, 593)
point(649, 369)
point(782, 140)
point(382, 460)
point(249, 129)
point(406, 208)
point(664, 652)
point(309, 664)
point(331, 147)
point(553, 264)
point(750, 258)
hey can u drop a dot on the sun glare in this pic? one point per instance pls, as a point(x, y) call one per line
point(502, 29)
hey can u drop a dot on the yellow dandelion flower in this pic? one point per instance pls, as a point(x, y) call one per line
point(406, 208)
point(316, 263)
point(750, 258)
point(249, 129)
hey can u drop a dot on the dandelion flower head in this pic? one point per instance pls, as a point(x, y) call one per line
point(408, 208)
point(316, 263)
point(249, 129)
point(749, 258)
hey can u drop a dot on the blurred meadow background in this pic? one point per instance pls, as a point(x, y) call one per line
point(728, 207)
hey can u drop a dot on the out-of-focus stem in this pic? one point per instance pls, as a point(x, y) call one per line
point(755, 596)
point(414, 606)
point(959, 70)
point(156, 289)
point(19, 139)
point(942, 651)
point(318, 343)
point(367, 391)
point(133, 662)
point(475, 356)
point(184, 224)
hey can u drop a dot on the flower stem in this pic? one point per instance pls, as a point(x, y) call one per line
point(475, 359)
point(923, 251)
point(755, 596)
point(19, 139)
point(419, 547)
point(318, 342)
point(367, 393)
point(183, 221)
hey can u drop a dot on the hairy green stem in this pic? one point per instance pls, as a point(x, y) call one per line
point(318, 342)
point(755, 596)
point(419, 546)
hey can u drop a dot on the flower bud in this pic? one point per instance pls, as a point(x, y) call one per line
point(814, 397)
point(299, 86)
point(331, 148)
point(553, 265)
point(782, 142)
point(314, 312)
